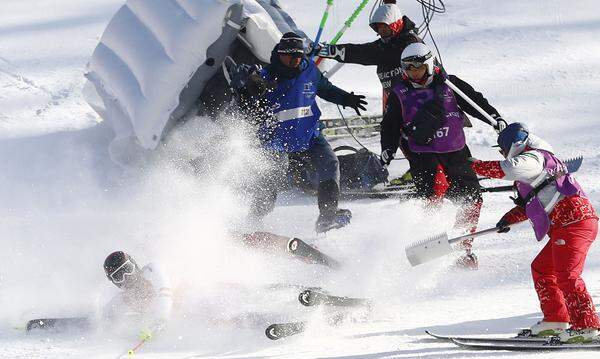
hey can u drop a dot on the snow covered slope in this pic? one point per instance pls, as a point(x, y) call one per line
point(64, 206)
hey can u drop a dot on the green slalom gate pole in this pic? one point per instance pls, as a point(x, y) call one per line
point(321, 27)
point(346, 26)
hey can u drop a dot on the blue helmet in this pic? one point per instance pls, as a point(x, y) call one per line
point(513, 139)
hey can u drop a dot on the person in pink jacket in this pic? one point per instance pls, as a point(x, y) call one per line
point(550, 197)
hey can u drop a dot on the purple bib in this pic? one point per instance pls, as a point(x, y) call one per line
point(565, 184)
point(450, 137)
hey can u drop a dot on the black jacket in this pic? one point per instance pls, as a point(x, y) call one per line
point(386, 55)
point(393, 121)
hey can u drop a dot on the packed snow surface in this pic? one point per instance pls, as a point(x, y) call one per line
point(64, 205)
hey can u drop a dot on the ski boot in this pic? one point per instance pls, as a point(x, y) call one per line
point(404, 180)
point(339, 219)
point(548, 329)
point(468, 261)
point(578, 336)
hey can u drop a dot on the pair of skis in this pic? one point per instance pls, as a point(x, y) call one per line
point(311, 297)
point(522, 342)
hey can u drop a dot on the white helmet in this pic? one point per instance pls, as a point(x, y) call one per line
point(417, 54)
point(389, 14)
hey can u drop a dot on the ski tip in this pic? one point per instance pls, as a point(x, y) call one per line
point(271, 332)
point(35, 324)
point(305, 298)
point(436, 336)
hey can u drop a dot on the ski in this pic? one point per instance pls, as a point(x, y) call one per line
point(549, 344)
point(58, 324)
point(310, 254)
point(283, 330)
point(294, 246)
point(518, 338)
point(315, 297)
point(405, 192)
point(497, 189)
point(362, 194)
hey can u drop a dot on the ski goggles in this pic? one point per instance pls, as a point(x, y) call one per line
point(415, 61)
point(118, 275)
point(407, 65)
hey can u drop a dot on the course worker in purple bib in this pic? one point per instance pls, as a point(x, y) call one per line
point(425, 118)
point(555, 204)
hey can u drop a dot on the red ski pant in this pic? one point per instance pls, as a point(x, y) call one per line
point(557, 275)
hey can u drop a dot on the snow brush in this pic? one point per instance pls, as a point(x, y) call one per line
point(438, 246)
point(321, 27)
point(347, 25)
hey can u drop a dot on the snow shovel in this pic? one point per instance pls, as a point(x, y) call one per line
point(438, 246)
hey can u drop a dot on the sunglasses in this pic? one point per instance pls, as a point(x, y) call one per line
point(118, 275)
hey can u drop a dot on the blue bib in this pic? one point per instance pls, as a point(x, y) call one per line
point(294, 106)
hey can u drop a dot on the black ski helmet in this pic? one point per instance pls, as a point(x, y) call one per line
point(291, 44)
point(118, 265)
point(513, 139)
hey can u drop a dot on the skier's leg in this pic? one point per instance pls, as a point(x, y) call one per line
point(465, 192)
point(440, 184)
point(325, 161)
point(552, 302)
point(263, 190)
point(570, 245)
point(423, 167)
point(327, 165)
point(464, 188)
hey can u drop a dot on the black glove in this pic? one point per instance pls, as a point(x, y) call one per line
point(386, 157)
point(503, 226)
point(500, 123)
point(246, 81)
point(356, 102)
point(336, 52)
point(256, 86)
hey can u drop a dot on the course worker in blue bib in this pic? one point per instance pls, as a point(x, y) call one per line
point(291, 124)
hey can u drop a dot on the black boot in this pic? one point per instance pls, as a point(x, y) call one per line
point(330, 216)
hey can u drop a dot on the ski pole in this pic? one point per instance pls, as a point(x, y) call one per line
point(333, 70)
point(490, 119)
point(145, 336)
point(346, 26)
point(131, 352)
point(321, 27)
point(134, 350)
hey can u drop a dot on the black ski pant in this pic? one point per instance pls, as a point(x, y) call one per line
point(463, 189)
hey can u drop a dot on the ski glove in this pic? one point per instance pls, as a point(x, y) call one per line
point(247, 81)
point(146, 334)
point(386, 157)
point(336, 52)
point(356, 102)
point(503, 226)
point(500, 123)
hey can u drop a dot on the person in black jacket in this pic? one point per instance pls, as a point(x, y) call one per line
point(396, 32)
point(426, 116)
